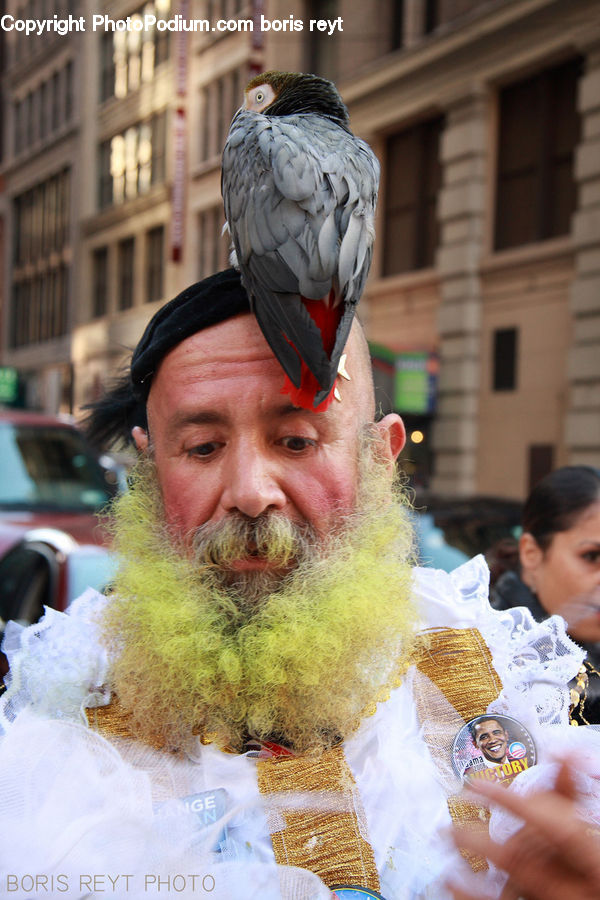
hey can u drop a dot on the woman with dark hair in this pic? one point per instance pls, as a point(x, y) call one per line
point(559, 569)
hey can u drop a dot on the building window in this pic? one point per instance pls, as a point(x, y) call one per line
point(105, 185)
point(44, 118)
point(68, 75)
point(35, 116)
point(505, 349)
point(155, 240)
point(29, 120)
point(223, 9)
point(60, 315)
point(432, 16)
point(41, 229)
point(107, 66)
point(321, 48)
point(158, 139)
point(18, 126)
point(397, 33)
point(162, 40)
point(55, 121)
point(219, 101)
point(129, 59)
point(99, 282)
point(36, 223)
point(44, 110)
point(442, 12)
point(63, 185)
point(413, 179)
point(213, 246)
point(126, 260)
point(539, 129)
point(131, 163)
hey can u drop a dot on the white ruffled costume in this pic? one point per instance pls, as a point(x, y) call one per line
point(83, 816)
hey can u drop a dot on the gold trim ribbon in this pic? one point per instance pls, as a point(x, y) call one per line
point(457, 662)
point(325, 835)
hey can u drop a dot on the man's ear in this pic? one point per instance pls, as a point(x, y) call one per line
point(392, 436)
point(140, 438)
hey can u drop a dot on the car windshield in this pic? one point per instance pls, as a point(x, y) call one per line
point(49, 468)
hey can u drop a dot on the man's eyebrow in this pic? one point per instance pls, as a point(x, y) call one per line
point(196, 417)
point(182, 418)
point(288, 409)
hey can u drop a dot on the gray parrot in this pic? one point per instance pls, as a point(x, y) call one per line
point(299, 191)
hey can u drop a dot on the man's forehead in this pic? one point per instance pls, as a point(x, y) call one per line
point(236, 341)
point(228, 357)
point(234, 338)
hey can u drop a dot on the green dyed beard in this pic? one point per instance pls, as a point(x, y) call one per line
point(297, 657)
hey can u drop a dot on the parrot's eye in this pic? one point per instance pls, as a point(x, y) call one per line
point(260, 97)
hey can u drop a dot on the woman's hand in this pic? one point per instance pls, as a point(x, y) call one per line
point(553, 856)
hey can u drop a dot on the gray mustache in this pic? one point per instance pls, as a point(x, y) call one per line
point(269, 536)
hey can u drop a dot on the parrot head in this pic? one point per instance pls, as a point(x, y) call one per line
point(290, 93)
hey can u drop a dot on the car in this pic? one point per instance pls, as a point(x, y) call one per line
point(52, 487)
point(50, 477)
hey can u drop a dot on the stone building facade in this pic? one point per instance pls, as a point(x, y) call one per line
point(483, 304)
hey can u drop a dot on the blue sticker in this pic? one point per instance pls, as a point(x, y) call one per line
point(208, 807)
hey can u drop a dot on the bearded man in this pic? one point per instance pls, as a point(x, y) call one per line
point(267, 703)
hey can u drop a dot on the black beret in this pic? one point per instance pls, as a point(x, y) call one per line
point(199, 306)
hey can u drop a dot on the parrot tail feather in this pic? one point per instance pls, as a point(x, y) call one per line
point(304, 396)
point(326, 315)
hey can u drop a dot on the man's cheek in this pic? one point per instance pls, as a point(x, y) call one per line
point(182, 504)
point(323, 505)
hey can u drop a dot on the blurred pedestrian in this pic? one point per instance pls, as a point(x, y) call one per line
point(558, 569)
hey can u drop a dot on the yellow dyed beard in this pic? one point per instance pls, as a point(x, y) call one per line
point(301, 666)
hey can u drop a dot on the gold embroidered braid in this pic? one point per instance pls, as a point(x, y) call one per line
point(459, 663)
point(477, 818)
point(109, 721)
point(330, 842)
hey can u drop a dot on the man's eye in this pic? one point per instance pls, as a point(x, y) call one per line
point(297, 444)
point(204, 449)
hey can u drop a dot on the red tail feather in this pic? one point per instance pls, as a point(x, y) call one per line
point(326, 318)
point(304, 396)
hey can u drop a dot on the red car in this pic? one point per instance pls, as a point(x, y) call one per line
point(52, 486)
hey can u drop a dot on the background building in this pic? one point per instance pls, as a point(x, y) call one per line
point(126, 204)
point(41, 169)
point(483, 305)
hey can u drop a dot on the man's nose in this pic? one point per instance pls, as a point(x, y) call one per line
point(251, 485)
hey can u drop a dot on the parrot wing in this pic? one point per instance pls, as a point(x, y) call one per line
point(299, 194)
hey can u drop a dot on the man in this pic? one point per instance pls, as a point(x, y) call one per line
point(252, 711)
point(491, 738)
